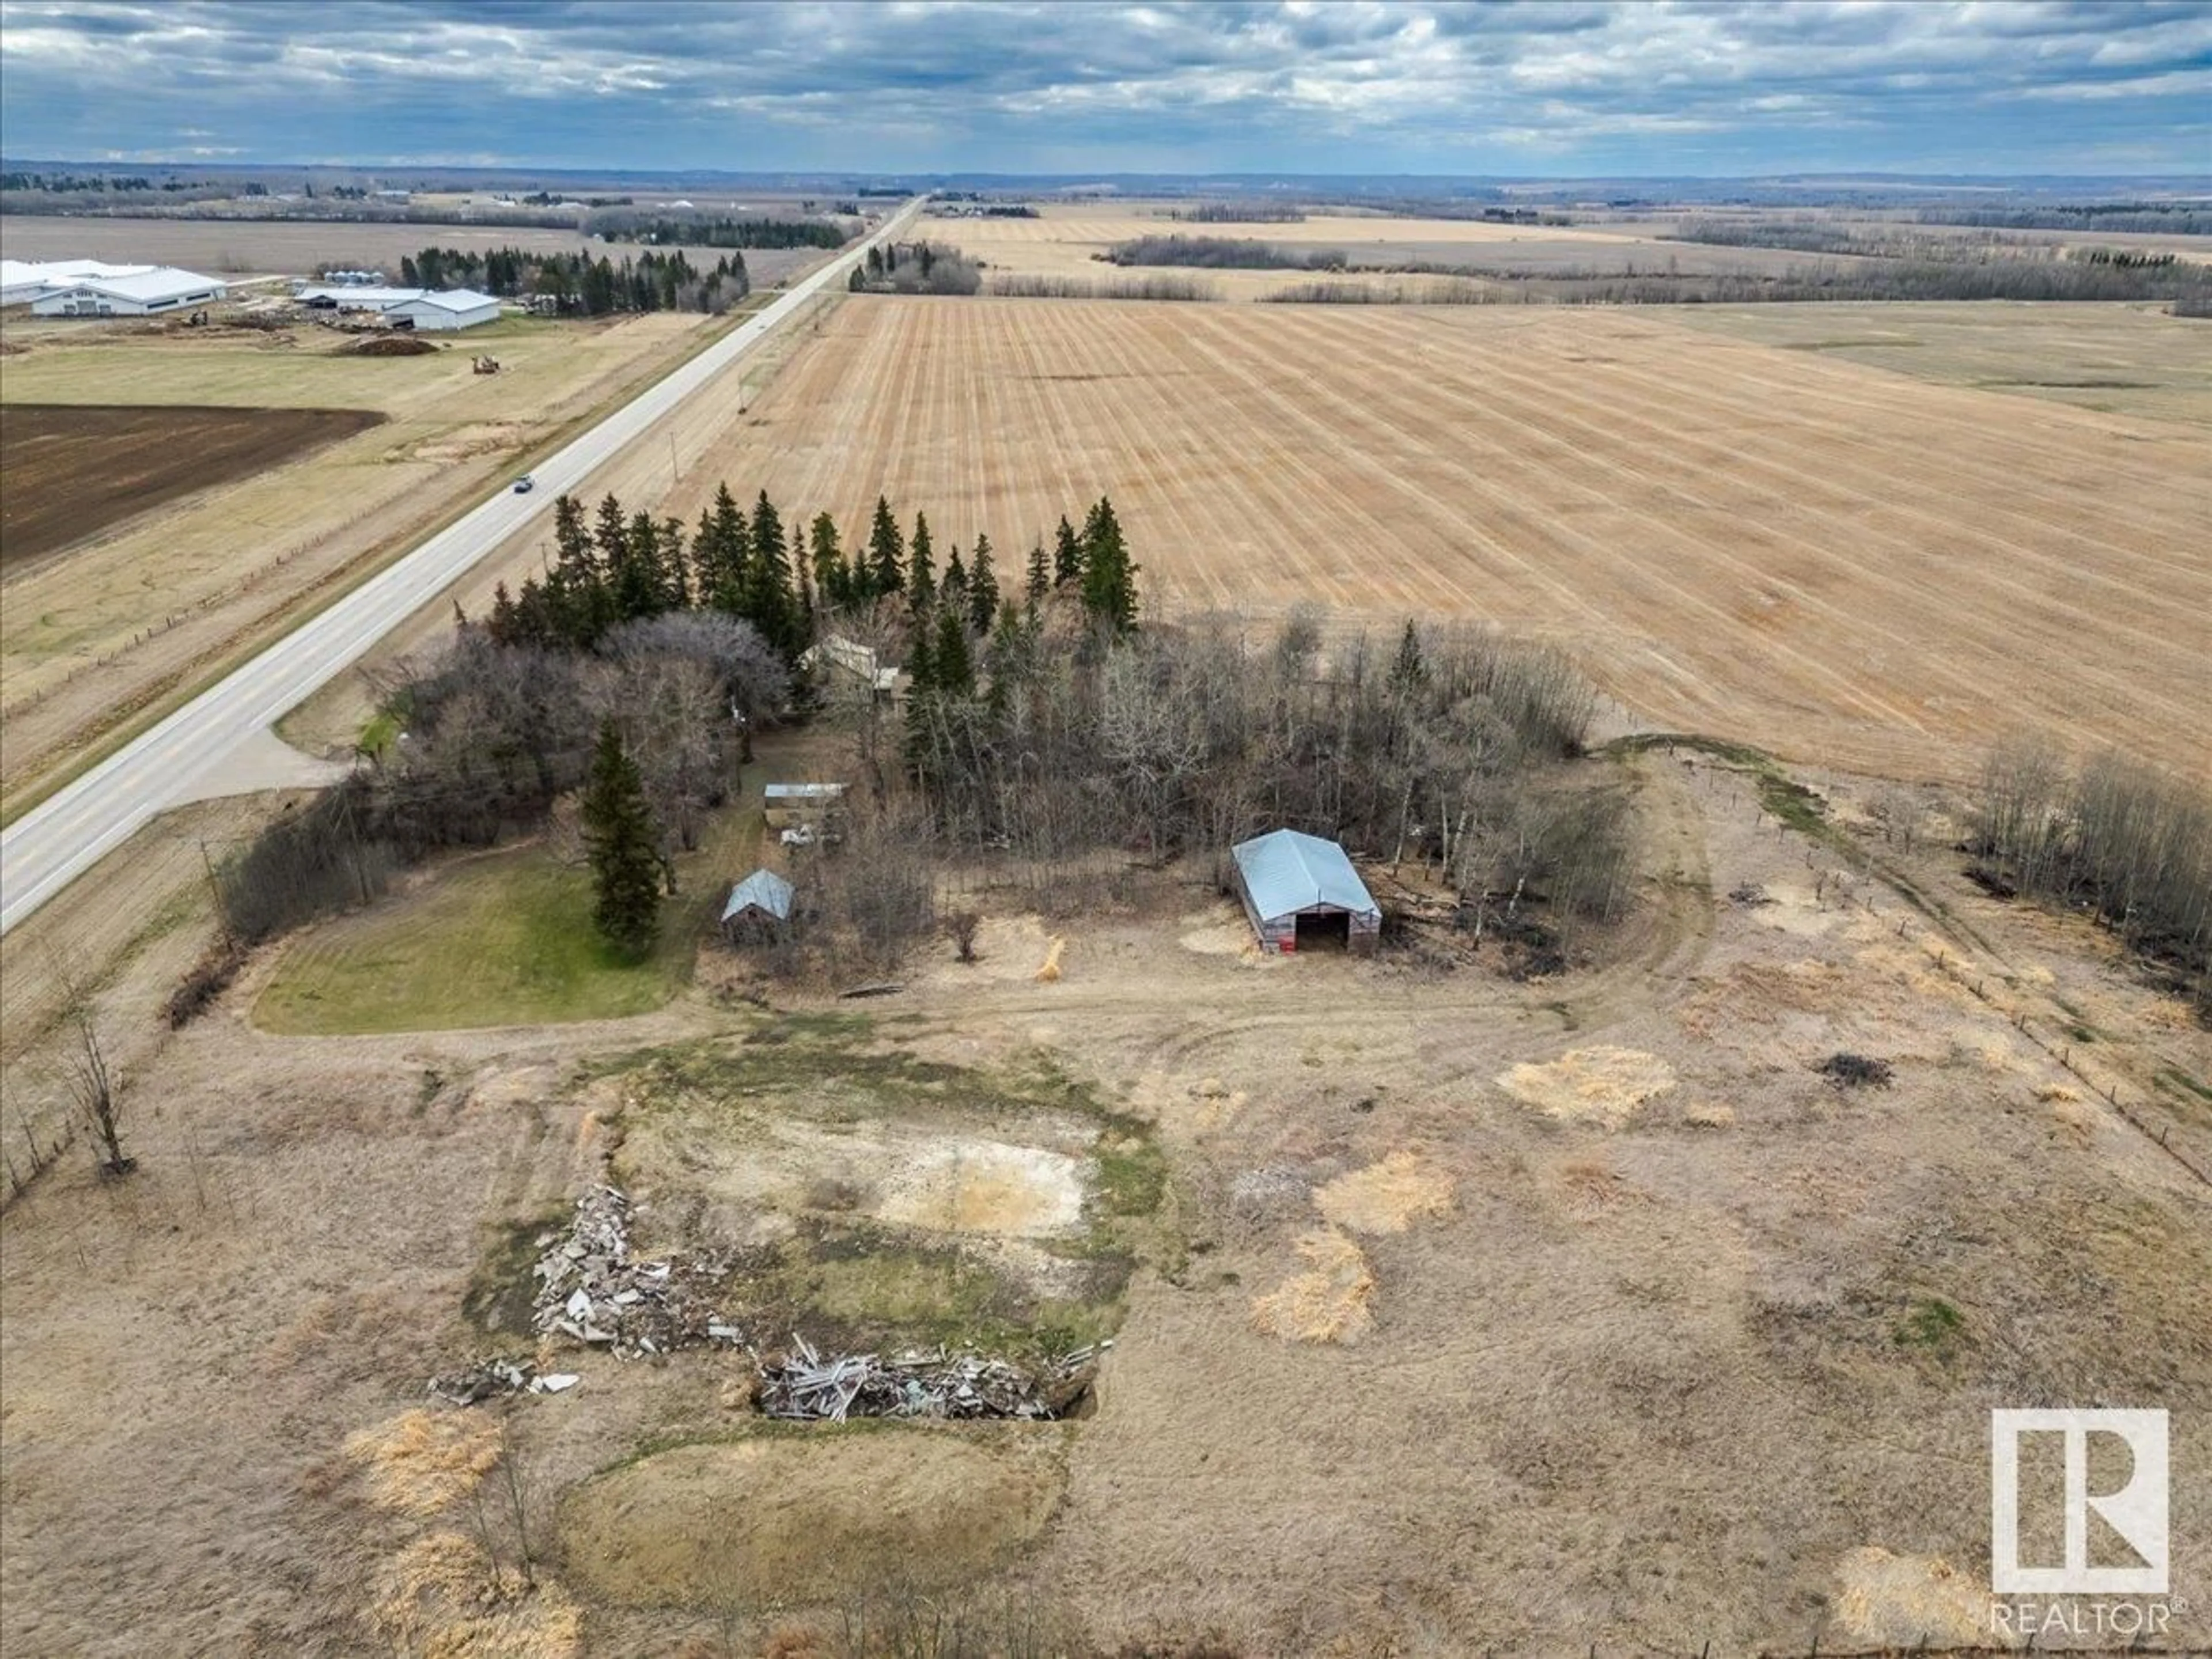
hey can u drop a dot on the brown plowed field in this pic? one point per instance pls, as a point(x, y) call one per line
point(1846, 566)
point(75, 469)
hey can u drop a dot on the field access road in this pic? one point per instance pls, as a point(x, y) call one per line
point(178, 760)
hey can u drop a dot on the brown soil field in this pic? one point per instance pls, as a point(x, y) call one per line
point(242, 247)
point(1843, 565)
point(73, 469)
point(1656, 1339)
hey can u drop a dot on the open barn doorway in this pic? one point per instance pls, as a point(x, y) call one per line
point(1324, 931)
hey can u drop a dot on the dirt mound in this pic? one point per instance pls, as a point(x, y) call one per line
point(1387, 1197)
point(391, 345)
point(1329, 1303)
point(1591, 1086)
point(422, 1461)
point(732, 1525)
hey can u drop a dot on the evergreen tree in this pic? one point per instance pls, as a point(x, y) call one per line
point(639, 579)
point(920, 570)
point(618, 830)
point(770, 604)
point(1040, 575)
point(725, 556)
point(983, 589)
point(831, 574)
point(886, 553)
point(1109, 580)
point(953, 590)
point(1066, 554)
point(1407, 670)
point(953, 667)
point(920, 666)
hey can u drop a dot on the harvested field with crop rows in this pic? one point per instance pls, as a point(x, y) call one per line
point(1834, 562)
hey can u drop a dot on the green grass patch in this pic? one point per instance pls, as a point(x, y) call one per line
point(1929, 1322)
point(499, 939)
point(2181, 1085)
point(505, 939)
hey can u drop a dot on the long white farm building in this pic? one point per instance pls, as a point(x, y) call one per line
point(92, 287)
point(408, 307)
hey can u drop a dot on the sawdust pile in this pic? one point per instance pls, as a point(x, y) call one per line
point(441, 1597)
point(1897, 1600)
point(1049, 974)
point(1591, 1086)
point(422, 1461)
point(1387, 1197)
point(1326, 1303)
point(1708, 1114)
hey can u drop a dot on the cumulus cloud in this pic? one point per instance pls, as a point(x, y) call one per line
point(1289, 86)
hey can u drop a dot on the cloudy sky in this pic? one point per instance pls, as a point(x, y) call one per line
point(1303, 86)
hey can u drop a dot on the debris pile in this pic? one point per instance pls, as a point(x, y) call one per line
point(589, 1289)
point(1850, 1071)
point(802, 1384)
point(491, 1378)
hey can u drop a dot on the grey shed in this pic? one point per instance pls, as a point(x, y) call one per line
point(761, 901)
point(1300, 887)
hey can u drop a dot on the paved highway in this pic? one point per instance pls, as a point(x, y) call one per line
point(46, 848)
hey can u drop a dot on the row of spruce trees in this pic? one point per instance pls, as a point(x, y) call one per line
point(618, 566)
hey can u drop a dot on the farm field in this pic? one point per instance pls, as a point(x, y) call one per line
point(2111, 359)
point(246, 248)
point(87, 637)
point(1845, 565)
point(1063, 241)
point(74, 469)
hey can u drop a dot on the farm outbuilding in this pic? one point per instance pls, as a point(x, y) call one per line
point(1300, 891)
point(759, 907)
point(459, 307)
point(137, 294)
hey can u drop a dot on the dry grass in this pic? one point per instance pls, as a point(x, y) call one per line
point(1328, 1302)
point(1387, 1197)
point(422, 1462)
point(1048, 974)
point(442, 1598)
point(1904, 1599)
point(1601, 1085)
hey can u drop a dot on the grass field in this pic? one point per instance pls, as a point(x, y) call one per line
point(1843, 565)
point(501, 939)
point(74, 469)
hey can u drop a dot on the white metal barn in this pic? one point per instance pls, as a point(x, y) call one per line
point(1300, 891)
point(23, 281)
point(457, 307)
point(140, 294)
point(353, 296)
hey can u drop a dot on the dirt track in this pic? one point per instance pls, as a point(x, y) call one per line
point(74, 469)
point(1854, 568)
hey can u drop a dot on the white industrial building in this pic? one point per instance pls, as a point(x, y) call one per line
point(136, 292)
point(459, 307)
point(24, 281)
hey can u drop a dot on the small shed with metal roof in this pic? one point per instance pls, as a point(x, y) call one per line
point(759, 907)
point(1300, 891)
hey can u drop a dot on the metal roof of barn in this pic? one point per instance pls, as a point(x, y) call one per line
point(1286, 872)
point(803, 791)
point(763, 890)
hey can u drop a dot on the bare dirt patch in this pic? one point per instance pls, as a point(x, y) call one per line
point(731, 1525)
point(74, 469)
